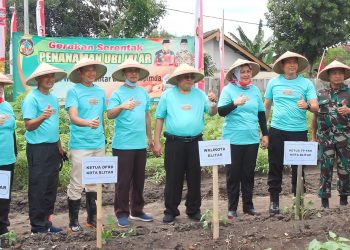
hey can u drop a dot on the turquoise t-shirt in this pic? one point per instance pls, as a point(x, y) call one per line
point(90, 103)
point(130, 125)
point(183, 113)
point(285, 94)
point(7, 155)
point(241, 124)
point(33, 106)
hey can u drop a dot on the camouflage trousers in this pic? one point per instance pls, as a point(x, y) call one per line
point(329, 155)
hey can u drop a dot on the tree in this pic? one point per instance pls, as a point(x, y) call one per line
point(308, 26)
point(258, 47)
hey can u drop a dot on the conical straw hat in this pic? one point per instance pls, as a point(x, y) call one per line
point(183, 69)
point(302, 62)
point(5, 80)
point(334, 65)
point(239, 62)
point(101, 69)
point(45, 69)
point(118, 74)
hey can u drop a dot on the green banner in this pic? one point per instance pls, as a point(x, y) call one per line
point(158, 55)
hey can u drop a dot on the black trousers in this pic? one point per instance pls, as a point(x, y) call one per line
point(5, 203)
point(182, 159)
point(43, 169)
point(240, 175)
point(277, 138)
point(131, 182)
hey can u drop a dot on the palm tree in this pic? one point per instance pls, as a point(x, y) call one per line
point(258, 47)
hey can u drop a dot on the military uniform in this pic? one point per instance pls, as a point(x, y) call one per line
point(333, 133)
point(184, 56)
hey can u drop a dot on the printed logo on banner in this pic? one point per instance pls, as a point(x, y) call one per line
point(214, 152)
point(26, 47)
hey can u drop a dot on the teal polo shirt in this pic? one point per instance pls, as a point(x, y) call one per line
point(130, 125)
point(7, 155)
point(241, 124)
point(183, 113)
point(90, 103)
point(285, 94)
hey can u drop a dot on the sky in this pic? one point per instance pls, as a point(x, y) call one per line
point(179, 24)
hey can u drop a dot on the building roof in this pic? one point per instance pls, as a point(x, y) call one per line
point(207, 36)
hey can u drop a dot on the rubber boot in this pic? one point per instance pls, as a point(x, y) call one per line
point(91, 209)
point(74, 206)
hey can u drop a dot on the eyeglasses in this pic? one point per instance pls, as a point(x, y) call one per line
point(188, 76)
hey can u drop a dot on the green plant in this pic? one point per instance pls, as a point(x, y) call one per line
point(262, 162)
point(334, 243)
point(8, 239)
point(155, 169)
point(207, 218)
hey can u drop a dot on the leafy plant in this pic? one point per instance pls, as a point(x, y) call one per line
point(207, 217)
point(8, 239)
point(334, 243)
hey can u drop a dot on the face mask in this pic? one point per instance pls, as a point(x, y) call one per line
point(130, 84)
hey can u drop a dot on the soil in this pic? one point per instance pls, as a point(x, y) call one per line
point(245, 232)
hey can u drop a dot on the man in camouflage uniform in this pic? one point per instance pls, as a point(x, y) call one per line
point(333, 132)
point(184, 56)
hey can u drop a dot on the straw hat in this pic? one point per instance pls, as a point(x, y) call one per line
point(183, 69)
point(302, 62)
point(5, 80)
point(239, 62)
point(323, 75)
point(119, 75)
point(101, 69)
point(45, 69)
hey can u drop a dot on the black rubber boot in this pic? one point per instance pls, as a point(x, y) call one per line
point(325, 202)
point(74, 206)
point(91, 208)
point(343, 200)
point(274, 204)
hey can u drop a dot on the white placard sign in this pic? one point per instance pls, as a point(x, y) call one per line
point(99, 170)
point(300, 153)
point(5, 178)
point(215, 152)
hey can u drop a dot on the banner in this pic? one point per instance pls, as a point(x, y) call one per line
point(159, 57)
point(2, 34)
point(40, 18)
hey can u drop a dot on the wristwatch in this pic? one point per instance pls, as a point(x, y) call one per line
point(308, 106)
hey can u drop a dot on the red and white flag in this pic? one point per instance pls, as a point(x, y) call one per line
point(40, 18)
point(198, 45)
point(322, 64)
point(222, 61)
point(13, 29)
point(2, 34)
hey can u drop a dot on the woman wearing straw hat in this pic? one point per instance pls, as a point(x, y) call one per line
point(331, 128)
point(242, 106)
point(40, 110)
point(292, 95)
point(86, 103)
point(7, 148)
point(182, 109)
point(129, 107)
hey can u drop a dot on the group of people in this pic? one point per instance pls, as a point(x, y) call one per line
point(181, 112)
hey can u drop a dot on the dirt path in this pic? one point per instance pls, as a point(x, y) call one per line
point(246, 232)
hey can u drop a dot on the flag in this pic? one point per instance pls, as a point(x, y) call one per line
point(13, 28)
point(322, 64)
point(40, 18)
point(199, 55)
point(2, 34)
point(222, 62)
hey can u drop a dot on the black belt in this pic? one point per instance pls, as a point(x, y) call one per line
point(182, 138)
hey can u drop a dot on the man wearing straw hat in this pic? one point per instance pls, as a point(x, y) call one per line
point(129, 107)
point(40, 110)
point(182, 109)
point(86, 104)
point(7, 148)
point(331, 128)
point(292, 96)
